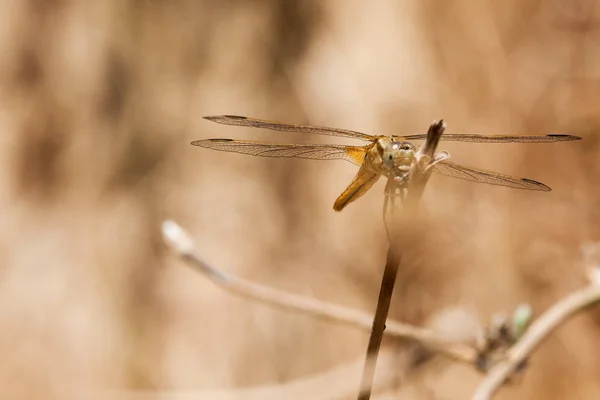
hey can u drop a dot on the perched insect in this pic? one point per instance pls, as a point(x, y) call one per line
point(389, 156)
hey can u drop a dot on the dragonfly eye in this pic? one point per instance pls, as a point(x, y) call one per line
point(389, 153)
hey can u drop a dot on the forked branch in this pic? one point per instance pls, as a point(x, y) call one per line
point(180, 242)
point(540, 329)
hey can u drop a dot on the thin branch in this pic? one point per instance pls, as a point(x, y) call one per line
point(326, 385)
point(419, 176)
point(180, 242)
point(539, 330)
point(379, 322)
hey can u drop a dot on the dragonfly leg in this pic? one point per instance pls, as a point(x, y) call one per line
point(385, 205)
point(387, 193)
point(393, 191)
point(441, 156)
point(388, 204)
point(397, 192)
point(400, 193)
point(393, 197)
point(402, 196)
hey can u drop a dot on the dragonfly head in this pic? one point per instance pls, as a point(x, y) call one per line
point(397, 156)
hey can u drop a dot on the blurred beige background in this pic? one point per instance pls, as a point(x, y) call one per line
point(100, 100)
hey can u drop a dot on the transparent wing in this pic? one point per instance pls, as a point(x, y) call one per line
point(259, 123)
point(476, 175)
point(354, 154)
point(465, 137)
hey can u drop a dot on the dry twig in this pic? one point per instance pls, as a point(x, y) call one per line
point(419, 176)
point(559, 313)
point(180, 241)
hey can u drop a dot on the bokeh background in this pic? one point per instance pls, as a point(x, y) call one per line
point(101, 99)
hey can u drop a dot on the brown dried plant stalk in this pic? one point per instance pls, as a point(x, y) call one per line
point(410, 193)
point(179, 241)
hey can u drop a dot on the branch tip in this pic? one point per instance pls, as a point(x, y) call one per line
point(177, 238)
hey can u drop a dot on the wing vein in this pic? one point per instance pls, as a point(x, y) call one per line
point(477, 138)
point(491, 178)
point(353, 154)
point(236, 120)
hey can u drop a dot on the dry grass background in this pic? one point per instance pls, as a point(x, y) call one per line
point(99, 101)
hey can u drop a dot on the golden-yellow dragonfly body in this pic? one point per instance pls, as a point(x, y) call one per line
point(389, 156)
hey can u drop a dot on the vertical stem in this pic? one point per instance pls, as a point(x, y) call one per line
point(419, 178)
point(383, 306)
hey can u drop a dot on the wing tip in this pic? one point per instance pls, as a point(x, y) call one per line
point(564, 137)
point(217, 118)
point(540, 185)
point(204, 141)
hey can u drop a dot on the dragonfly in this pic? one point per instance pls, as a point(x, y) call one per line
point(389, 156)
